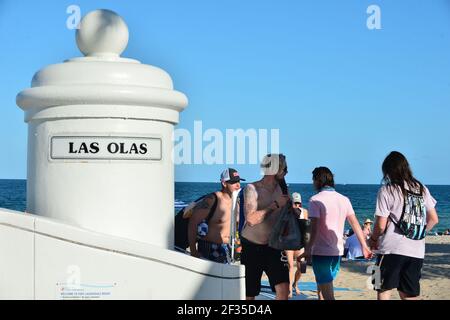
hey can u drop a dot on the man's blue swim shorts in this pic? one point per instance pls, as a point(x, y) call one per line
point(325, 268)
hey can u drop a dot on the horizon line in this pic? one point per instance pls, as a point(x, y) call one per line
point(289, 182)
point(310, 183)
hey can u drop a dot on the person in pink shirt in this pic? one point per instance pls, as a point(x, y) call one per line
point(328, 211)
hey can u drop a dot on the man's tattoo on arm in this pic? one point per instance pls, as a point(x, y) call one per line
point(203, 204)
point(251, 199)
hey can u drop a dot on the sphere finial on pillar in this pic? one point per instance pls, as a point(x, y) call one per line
point(102, 33)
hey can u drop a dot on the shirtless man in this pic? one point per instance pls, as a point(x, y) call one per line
point(215, 245)
point(263, 201)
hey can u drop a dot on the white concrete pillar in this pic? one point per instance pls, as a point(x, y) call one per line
point(100, 138)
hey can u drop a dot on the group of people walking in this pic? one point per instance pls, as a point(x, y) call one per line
point(405, 211)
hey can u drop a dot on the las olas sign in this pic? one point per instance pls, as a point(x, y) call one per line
point(105, 148)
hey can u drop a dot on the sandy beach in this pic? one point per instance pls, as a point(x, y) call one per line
point(351, 283)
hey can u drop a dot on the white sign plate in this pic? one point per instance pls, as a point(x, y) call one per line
point(105, 148)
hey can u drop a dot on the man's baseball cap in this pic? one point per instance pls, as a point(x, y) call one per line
point(368, 221)
point(296, 197)
point(230, 175)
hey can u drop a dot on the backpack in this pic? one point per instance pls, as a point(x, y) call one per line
point(182, 222)
point(413, 221)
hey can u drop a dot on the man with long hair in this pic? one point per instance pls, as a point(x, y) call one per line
point(405, 212)
point(328, 211)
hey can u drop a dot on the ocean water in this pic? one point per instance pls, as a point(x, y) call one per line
point(363, 197)
point(13, 194)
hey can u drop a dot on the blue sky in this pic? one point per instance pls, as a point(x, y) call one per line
point(342, 95)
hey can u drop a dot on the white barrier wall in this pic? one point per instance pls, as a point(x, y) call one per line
point(44, 259)
point(16, 255)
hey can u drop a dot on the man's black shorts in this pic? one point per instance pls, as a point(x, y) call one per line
point(258, 258)
point(400, 272)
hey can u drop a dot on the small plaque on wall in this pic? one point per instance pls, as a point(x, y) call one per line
point(105, 148)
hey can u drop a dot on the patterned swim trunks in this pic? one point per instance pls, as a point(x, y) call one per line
point(220, 253)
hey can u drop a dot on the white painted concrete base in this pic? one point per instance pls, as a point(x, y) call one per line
point(42, 258)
